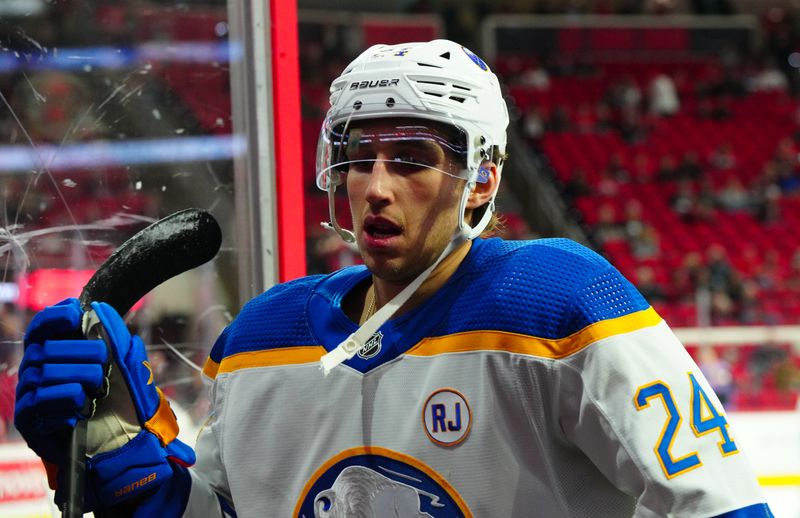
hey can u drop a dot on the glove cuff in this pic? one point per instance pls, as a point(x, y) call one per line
point(137, 468)
point(163, 424)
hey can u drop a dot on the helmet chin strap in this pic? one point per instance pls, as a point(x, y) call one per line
point(345, 234)
point(347, 349)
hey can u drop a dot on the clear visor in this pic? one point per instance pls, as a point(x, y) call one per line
point(402, 146)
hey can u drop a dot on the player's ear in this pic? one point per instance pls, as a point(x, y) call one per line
point(484, 190)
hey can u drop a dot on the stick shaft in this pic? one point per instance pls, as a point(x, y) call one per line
point(166, 248)
point(76, 471)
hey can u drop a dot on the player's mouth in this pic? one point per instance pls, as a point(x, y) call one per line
point(379, 232)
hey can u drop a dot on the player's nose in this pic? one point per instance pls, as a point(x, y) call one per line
point(380, 183)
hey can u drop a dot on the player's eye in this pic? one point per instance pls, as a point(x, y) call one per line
point(407, 164)
point(406, 160)
point(361, 161)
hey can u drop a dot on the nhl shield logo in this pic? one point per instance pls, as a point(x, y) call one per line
point(372, 347)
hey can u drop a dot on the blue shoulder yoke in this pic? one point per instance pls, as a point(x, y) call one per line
point(549, 288)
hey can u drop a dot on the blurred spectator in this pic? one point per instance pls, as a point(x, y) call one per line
point(631, 126)
point(663, 96)
point(767, 78)
point(616, 166)
point(585, 121)
point(688, 277)
point(642, 171)
point(608, 185)
point(749, 304)
point(781, 40)
point(723, 157)
point(559, 120)
point(769, 274)
point(793, 275)
point(767, 195)
point(648, 244)
point(788, 181)
point(684, 201)
point(667, 169)
point(533, 126)
point(765, 359)
point(624, 94)
point(733, 197)
point(787, 375)
point(634, 224)
point(11, 332)
point(658, 7)
point(724, 77)
point(689, 168)
point(749, 259)
point(717, 371)
point(536, 77)
point(642, 237)
point(714, 108)
point(647, 285)
point(787, 152)
point(603, 118)
point(723, 310)
point(719, 268)
point(608, 228)
point(52, 103)
point(577, 185)
point(768, 210)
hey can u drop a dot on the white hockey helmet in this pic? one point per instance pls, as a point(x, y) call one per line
point(439, 81)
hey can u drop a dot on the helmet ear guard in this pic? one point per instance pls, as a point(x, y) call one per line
point(484, 176)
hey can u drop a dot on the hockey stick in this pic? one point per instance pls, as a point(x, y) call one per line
point(166, 248)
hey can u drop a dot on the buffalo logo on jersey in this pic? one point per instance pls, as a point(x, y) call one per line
point(370, 481)
point(372, 347)
point(447, 417)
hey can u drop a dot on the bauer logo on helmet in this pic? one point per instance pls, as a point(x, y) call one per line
point(374, 83)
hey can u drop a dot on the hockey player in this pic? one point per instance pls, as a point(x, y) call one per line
point(451, 376)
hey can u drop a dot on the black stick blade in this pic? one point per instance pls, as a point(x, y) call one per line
point(168, 247)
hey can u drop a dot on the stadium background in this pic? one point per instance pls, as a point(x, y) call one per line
point(663, 133)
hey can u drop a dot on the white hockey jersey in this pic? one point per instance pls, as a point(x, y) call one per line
point(536, 382)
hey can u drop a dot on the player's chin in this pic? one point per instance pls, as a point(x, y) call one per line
point(384, 266)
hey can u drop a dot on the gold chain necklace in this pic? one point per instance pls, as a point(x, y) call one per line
point(369, 302)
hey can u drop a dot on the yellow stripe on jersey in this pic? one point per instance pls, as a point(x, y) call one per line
point(534, 346)
point(210, 368)
point(779, 480)
point(459, 342)
point(267, 358)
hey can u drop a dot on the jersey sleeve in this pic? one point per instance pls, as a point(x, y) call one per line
point(637, 405)
point(210, 493)
point(209, 496)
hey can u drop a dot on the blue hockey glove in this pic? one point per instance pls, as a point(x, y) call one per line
point(57, 377)
point(132, 433)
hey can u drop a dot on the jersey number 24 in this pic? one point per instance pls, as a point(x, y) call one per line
point(705, 419)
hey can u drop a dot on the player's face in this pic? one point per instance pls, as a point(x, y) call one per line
point(404, 214)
